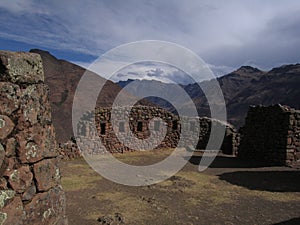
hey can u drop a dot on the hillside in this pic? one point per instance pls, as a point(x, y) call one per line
point(279, 85)
point(62, 78)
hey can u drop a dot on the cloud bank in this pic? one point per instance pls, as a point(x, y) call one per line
point(226, 34)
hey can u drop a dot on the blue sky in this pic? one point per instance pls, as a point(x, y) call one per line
point(226, 34)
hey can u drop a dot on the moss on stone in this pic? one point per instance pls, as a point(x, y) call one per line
point(3, 217)
point(6, 195)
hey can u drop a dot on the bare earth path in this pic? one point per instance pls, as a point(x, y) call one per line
point(230, 192)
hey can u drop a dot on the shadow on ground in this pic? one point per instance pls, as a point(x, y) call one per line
point(228, 162)
point(275, 181)
point(294, 221)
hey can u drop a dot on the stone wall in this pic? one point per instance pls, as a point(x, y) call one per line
point(139, 124)
point(69, 150)
point(271, 135)
point(30, 191)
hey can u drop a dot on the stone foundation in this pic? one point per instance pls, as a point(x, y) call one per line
point(30, 191)
point(271, 135)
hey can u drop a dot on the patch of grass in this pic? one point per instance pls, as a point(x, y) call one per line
point(75, 183)
point(79, 176)
point(206, 189)
point(276, 196)
point(187, 194)
point(131, 207)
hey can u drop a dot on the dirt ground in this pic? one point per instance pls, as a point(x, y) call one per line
point(229, 192)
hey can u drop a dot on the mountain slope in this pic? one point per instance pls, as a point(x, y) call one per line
point(242, 88)
point(280, 85)
point(62, 77)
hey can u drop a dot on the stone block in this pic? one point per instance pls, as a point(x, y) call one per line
point(9, 98)
point(21, 67)
point(47, 174)
point(12, 213)
point(47, 208)
point(35, 143)
point(6, 126)
point(20, 179)
point(35, 107)
point(10, 149)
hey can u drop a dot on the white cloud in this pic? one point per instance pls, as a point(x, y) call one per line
point(222, 32)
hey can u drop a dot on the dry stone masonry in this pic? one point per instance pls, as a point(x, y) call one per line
point(139, 117)
point(30, 191)
point(271, 135)
point(69, 150)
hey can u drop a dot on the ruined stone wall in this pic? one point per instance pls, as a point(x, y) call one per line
point(139, 124)
point(69, 150)
point(30, 191)
point(271, 135)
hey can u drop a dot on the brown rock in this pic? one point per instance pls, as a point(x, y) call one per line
point(13, 212)
point(20, 179)
point(6, 126)
point(9, 98)
point(35, 143)
point(46, 208)
point(29, 193)
point(34, 107)
point(10, 149)
point(11, 165)
point(21, 67)
point(3, 183)
point(47, 174)
point(29, 152)
point(2, 155)
point(5, 197)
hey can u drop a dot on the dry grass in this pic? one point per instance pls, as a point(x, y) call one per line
point(79, 177)
point(183, 195)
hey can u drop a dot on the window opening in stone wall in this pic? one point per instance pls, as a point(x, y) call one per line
point(140, 126)
point(102, 128)
point(175, 125)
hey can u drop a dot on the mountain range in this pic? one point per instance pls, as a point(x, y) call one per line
point(241, 88)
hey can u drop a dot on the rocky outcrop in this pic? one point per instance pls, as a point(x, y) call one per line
point(271, 135)
point(30, 191)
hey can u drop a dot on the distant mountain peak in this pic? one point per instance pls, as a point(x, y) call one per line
point(248, 69)
point(43, 53)
point(286, 68)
